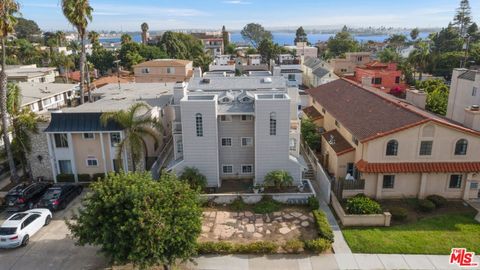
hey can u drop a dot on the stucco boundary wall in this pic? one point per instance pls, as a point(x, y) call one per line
point(251, 198)
point(360, 220)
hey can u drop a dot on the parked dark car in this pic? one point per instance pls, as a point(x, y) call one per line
point(59, 196)
point(25, 196)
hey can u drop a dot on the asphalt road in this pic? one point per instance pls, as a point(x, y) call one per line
point(51, 248)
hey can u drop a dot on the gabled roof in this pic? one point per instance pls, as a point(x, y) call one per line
point(79, 122)
point(320, 72)
point(418, 167)
point(164, 63)
point(369, 114)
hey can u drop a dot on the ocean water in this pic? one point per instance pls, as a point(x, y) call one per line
point(284, 38)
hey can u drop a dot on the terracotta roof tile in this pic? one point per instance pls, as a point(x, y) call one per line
point(362, 112)
point(164, 63)
point(418, 167)
point(337, 142)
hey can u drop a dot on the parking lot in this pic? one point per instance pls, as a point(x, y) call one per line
point(52, 248)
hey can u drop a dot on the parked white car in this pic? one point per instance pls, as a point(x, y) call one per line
point(19, 227)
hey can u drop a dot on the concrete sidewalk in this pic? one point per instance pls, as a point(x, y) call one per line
point(325, 262)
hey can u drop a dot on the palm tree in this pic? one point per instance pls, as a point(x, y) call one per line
point(79, 13)
point(137, 127)
point(94, 38)
point(8, 9)
point(24, 123)
point(73, 46)
point(203, 61)
point(61, 38)
point(144, 27)
point(419, 58)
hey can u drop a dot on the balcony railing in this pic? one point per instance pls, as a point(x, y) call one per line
point(353, 184)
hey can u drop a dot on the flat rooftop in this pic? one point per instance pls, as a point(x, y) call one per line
point(113, 98)
point(27, 71)
point(237, 83)
point(32, 92)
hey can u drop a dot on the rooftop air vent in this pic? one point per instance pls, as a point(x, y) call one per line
point(206, 80)
point(267, 80)
point(475, 108)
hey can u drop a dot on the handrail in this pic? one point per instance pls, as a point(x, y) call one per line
point(157, 165)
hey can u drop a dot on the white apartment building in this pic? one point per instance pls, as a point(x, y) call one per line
point(31, 73)
point(464, 98)
point(42, 97)
point(236, 128)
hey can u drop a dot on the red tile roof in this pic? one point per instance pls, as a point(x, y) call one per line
point(369, 114)
point(418, 167)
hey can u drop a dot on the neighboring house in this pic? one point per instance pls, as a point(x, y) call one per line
point(302, 49)
point(31, 73)
point(405, 51)
point(252, 62)
point(347, 65)
point(212, 42)
point(223, 63)
point(254, 59)
point(464, 97)
point(386, 148)
point(236, 128)
point(43, 97)
point(316, 72)
point(380, 75)
point(293, 73)
point(163, 70)
point(76, 142)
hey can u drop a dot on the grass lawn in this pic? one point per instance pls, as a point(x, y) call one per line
point(429, 235)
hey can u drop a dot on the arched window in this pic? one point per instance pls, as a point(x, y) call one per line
point(461, 147)
point(273, 124)
point(199, 124)
point(392, 148)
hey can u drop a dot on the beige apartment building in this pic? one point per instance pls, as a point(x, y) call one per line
point(385, 147)
point(163, 70)
point(347, 65)
point(76, 142)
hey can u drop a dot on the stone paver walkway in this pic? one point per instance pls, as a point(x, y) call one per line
point(326, 262)
point(246, 226)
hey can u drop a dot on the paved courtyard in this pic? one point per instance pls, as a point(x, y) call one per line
point(246, 226)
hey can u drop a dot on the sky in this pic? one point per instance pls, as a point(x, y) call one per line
point(127, 15)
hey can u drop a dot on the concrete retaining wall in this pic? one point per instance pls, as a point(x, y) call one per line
point(251, 198)
point(360, 220)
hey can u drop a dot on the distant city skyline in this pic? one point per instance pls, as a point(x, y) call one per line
point(127, 15)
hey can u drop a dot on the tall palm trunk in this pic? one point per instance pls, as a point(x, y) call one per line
point(82, 68)
point(4, 115)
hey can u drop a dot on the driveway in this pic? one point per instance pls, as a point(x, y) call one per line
point(51, 248)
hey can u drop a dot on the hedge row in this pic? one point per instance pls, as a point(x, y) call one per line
point(323, 227)
point(66, 177)
point(263, 247)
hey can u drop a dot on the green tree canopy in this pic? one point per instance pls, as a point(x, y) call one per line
point(28, 29)
point(447, 40)
point(414, 33)
point(437, 95)
point(396, 40)
point(254, 33)
point(135, 219)
point(181, 46)
point(300, 35)
point(342, 43)
point(388, 55)
point(463, 18)
point(269, 50)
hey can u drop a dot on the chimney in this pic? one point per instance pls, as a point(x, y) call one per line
point(197, 72)
point(472, 117)
point(179, 91)
point(277, 71)
point(416, 97)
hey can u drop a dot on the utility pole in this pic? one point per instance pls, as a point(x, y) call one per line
point(117, 62)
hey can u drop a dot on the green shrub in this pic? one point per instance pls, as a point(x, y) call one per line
point(96, 176)
point(266, 205)
point(313, 203)
point(294, 246)
point(278, 179)
point(84, 178)
point(65, 177)
point(261, 247)
point(323, 227)
point(362, 205)
point(193, 176)
point(317, 245)
point(215, 248)
point(238, 205)
point(438, 200)
point(398, 213)
point(426, 206)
